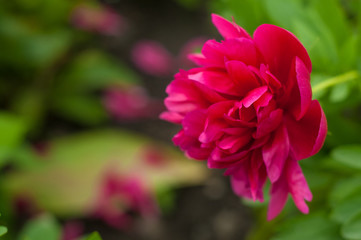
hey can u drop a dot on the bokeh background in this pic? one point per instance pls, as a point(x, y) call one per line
point(82, 149)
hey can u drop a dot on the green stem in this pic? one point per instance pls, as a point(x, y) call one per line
point(348, 76)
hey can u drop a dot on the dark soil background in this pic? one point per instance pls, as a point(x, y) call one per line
point(209, 212)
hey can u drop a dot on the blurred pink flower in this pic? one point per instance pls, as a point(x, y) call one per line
point(130, 103)
point(153, 156)
point(72, 230)
point(152, 58)
point(98, 19)
point(121, 194)
point(190, 47)
point(248, 108)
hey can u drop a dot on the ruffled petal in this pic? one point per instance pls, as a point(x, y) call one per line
point(298, 186)
point(216, 80)
point(267, 125)
point(275, 153)
point(241, 49)
point(215, 121)
point(301, 95)
point(279, 193)
point(242, 77)
point(279, 47)
point(228, 29)
point(187, 95)
point(253, 96)
point(248, 178)
point(308, 134)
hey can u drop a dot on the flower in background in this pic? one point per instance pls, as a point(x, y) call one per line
point(121, 194)
point(152, 58)
point(248, 108)
point(192, 46)
point(97, 18)
point(72, 230)
point(130, 103)
point(153, 156)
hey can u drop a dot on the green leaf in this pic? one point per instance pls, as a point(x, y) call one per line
point(3, 230)
point(13, 130)
point(344, 189)
point(334, 16)
point(313, 226)
point(284, 13)
point(249, 14)
point(347, 209)
point(349, 155)
point(339, 92)
point(352, 228)
point(41, 228)
point(93, 236)
point(318, 41)
point(81, 108)
point(92, 70)
point(44, 48)
point(349, 53)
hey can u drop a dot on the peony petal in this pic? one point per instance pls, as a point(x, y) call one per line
point(240, 184)
point(191, 146)
point(228, 29)
point(198, 58)
point(301, 94)
point(216, 80)
point(241, 49)
point(279, 193)
point(279, 47)
point(187, 95)
point(193, 122)
point(253, 96)
point(308, 134)
point(297, 185)
point(275, 153)
point(257, 176)
point(269, 124)
point(215, 121)
point(213, 52)
point(171, 117)
point(242, 77)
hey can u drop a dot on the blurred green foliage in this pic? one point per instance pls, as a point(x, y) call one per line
point(49, 69)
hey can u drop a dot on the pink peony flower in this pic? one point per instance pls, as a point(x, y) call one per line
point(97, 19)
point(121, 194)
point(130, 103)
point(190, 47)
point(248, 108)
point(72, 230)
point(152, 58)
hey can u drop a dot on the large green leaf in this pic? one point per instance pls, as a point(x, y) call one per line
point(284, 13)
point(249, 14)
point(334, 16)
point(75, 166)
point(3, 230)
point(352, 228)
point(41, 228)
point(344, 189)
point(81, 108)
point(347, 209)
point(313, 226)
point(349, 155)
point(93, 236)
point(92, 70)
point(12, 130)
